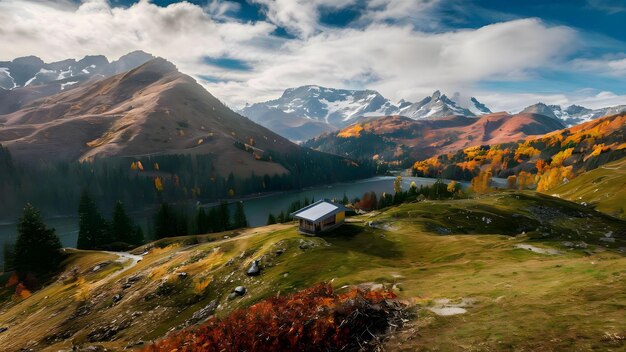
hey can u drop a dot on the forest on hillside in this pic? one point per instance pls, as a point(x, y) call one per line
point(143, 182)
point(541, 163)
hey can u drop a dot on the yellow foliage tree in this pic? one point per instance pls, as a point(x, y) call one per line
point(158, 184)
point(397, 184)
point(525, 179)
point(553, 177)
point(511, 182)
point(482, 182)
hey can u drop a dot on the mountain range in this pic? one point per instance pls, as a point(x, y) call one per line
point(305, 112)
point(152, 109)
point(573, 114)
point(31, 70)
point(26, 79)
point(399, 141)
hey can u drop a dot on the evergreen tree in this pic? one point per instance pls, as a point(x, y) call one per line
point(223, 216)
point(271, 219)
point(92, 228)
point(9, 256)
point(122, 229)
point(202, 221)
point(214, 225)
point(240, 220)
point(138, 237)
point(37, 248)
point(164, 222)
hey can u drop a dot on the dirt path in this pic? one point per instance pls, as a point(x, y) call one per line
point(124, 257)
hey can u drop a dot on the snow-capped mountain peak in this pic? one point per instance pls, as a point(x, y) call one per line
point(573, 114)
point(334, 106)
point(31, 70)
point(439, 105)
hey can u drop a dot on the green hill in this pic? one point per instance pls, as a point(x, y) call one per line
point(528, 272)
point(603, 188)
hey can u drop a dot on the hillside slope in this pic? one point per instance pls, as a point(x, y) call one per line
point(148, 110)
point(538, 263)
point(401, 140)
point(603, 188)
point(545, 162)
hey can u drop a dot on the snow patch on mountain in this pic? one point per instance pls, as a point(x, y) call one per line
point(573, 114)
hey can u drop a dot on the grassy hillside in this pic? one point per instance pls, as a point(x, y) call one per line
point(603, 188)
point(530, 272)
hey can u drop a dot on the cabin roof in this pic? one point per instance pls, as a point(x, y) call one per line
point(318, 210)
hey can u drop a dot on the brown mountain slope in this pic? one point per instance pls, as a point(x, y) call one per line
point(401, 140)
point(153, 109)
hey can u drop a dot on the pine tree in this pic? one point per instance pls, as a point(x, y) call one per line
point(37, 248)
point(223, 216)
point(240, 216)
point(202, 221)
point(138, 237)
point(164, 222)
point(271, 219)
point(92, 228)
point(122, 229)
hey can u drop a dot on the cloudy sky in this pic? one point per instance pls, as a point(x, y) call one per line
point(507, 53)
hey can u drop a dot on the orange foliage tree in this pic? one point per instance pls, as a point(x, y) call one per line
point(525, 179)
point(511, 182)
point(481, 183)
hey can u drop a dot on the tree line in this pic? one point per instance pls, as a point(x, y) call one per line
point(372, 201)
point(141, 182)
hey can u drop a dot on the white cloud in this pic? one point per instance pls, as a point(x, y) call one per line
point(395, 58)
point(606, 66)
point(182, 32)
point(403, 63)
point(299, 16)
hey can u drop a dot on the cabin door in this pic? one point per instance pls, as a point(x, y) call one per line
point(318, 227)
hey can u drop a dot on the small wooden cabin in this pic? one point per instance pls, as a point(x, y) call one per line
point(319, 217)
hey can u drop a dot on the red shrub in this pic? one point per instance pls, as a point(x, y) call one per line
point(310, 320)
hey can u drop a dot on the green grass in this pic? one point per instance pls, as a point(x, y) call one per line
point(524, 300)
point(603, 188)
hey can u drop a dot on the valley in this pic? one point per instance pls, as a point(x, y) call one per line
point(462, 257)
point(139, 211)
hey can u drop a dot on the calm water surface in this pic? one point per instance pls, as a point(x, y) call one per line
point(257, 209)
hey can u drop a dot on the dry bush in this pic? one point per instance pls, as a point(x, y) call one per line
point(315, 319)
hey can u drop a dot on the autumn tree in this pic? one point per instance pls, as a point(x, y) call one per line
point(397, 184)
point(511, 182)
point(482, 182)
point(525, 180)
point(37, 249)
point(453, 188)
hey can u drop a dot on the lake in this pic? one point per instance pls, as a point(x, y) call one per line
point(257, 209)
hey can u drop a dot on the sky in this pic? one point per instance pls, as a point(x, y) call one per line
point(509, 54)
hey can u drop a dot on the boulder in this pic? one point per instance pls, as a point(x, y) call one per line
point(254, 269)
point(117, 298)
point(239, 290)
